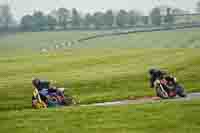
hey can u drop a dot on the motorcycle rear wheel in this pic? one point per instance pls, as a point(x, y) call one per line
point(181, 91)
point(70, 101)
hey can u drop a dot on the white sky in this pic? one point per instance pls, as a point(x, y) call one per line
point(22, 7)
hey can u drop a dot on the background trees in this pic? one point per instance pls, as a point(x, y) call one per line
point(64, 19)
point(109, 18)
point(6, 17)
point(27, 22)
point(51, 22)
point(88, 20)
point(155, 16)
point(198, 7)
point(63, 16)
point(98, 19)
point(76, 18)
point(122, 18)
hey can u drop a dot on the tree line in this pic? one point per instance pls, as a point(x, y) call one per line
point(63, 19)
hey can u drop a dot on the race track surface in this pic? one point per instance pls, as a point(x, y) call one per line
point(190, 96)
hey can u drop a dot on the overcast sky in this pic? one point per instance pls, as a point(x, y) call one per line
point(22, 7)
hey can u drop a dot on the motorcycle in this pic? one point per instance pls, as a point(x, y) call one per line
point(51, 99)
point(168, 88)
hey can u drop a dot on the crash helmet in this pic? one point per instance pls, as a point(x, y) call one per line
point(152, 71)
point(36, 82)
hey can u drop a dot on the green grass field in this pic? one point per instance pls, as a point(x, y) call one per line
point(105, 69)
point(188, 38)
point(28, 41)
point(95, 75)
point(181, 117)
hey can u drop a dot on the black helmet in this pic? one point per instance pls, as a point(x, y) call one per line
point(36, 82)
point(152, 71)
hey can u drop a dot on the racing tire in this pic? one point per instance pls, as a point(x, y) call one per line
point(180, 91)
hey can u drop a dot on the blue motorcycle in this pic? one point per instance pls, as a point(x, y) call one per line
point(51, 97)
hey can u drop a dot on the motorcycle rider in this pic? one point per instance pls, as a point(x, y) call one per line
point(156, 74)
point(43, 87)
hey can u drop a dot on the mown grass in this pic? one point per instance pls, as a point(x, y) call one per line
point(188, 38)
point(28, 41)
point(165, 117)
point(94, 75)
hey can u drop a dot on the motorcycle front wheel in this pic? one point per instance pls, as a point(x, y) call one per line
point(160, 93)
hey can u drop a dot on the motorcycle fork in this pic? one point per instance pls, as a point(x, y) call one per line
point(162, 89)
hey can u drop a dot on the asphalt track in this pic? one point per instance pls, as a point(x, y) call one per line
point(190, 96)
